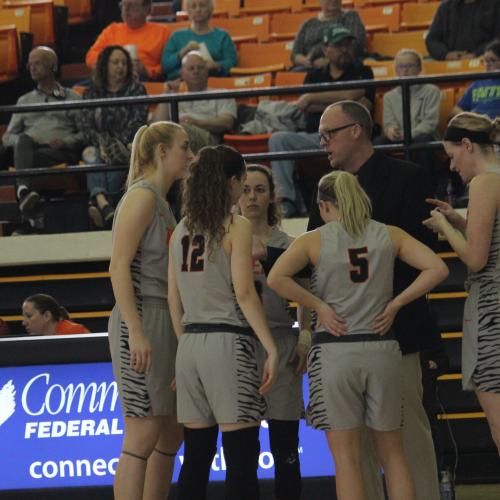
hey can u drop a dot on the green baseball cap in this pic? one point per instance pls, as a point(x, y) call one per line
point(335, 34)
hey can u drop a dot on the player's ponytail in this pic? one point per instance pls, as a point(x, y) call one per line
point(344, 191)
point(206, 194)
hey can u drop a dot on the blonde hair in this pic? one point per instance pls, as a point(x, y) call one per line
point(344, 191)
point(475, 122)
point(145, 141)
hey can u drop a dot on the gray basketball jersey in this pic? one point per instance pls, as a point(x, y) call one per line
point(275, 306)
point(354, 275)
point(150, 264)
point(204, 281)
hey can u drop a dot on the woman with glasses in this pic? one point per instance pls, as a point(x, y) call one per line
point(482, 96)
point(354, 366)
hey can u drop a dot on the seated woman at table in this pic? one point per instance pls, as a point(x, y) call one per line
point(43, 315)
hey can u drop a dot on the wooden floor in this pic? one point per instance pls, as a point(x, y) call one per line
point(478, 492)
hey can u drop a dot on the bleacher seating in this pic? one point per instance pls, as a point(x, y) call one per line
point(389, 44)
point(42, 19)
point(79, 11)
point(384, 18)
point(262, 58)
point(9, 48)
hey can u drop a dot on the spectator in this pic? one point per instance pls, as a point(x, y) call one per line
point(145, 41)
point(43, 315)
point(483, 96)
point(462, 28)
point(424, 109)
point(214, 43)
point(338, 47)
point(110, 130)
point(307, 52)
point(204, 121)
point(42, 139)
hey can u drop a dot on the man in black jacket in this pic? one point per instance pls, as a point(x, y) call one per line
point(397, 190)
point(461, 29)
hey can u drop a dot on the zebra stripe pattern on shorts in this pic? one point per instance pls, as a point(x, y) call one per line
point(316, 409)
point(135, 395)
point(251, 405)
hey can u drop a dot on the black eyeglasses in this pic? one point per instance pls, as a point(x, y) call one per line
point(327, 135)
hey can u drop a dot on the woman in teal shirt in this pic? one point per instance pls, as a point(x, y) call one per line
point(214, 43)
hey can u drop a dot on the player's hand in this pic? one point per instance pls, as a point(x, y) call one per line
point(453, 217)
point(140, 352)
point(330, 320)
point(385, 320)
point(270, 372)
point(436, 221)
point(299, 359)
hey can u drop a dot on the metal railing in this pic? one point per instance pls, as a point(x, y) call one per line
point(174, 99)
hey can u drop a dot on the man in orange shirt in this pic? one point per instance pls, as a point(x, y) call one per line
point(144, 41)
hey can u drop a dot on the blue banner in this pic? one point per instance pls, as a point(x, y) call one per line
point(62, 426)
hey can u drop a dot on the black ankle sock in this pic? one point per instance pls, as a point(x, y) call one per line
point(241, 452)
point(284, 441)
point(199, 449)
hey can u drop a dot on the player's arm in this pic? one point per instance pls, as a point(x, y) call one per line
point(133, 218)
point(174, 297)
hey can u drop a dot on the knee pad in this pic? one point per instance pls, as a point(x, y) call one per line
point(199, 450)
point(241, 452)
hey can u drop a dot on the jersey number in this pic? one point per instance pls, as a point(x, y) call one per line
point(195, 247)
point(359, 261)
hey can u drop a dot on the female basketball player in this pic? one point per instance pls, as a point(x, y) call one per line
point(141, 337)
point(470, 141)
point(284, 400)
point(354, 364)
point(213, 301)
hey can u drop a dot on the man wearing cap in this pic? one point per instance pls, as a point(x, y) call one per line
point(338, 48)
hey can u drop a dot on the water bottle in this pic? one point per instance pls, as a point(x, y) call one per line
point(446, 489)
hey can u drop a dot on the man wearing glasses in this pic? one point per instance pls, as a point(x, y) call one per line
point(397, 190)
point(144, 41)
point(339, 49)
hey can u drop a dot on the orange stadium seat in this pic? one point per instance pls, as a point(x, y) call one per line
point(389, 44)
point(368, 3)
point(284, 26)
point(20, 18)
point(222, 8)
point(42, 19)
point(309, 5)
point(445, 108)
point(253, 7)
point(383, 18)
point(290, 78)
point(381, 69)
point(418, 15)
point(79, 11)
point(9, 48)
point(248, 144)
point(251, 27)
point(453, 67)
point(241, 82)
point(263, 57)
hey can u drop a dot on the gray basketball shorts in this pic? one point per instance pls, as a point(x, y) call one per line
point(217, 379)
point(284, 399)
point(144, 395)
point(352, 384)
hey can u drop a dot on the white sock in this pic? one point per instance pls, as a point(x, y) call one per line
point(20, 189)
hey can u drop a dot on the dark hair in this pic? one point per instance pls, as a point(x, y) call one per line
point(273, 210)
point(43, 302)
point(100, 76)
point(494, 47)
point(205, 193)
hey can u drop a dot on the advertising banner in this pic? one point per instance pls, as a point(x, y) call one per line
point(62, 427)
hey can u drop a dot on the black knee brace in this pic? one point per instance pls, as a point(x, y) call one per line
point(284, 441)
point(241, 452)
point(199, 449)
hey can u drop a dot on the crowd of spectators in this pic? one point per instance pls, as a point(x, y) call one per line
point(329, 47)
